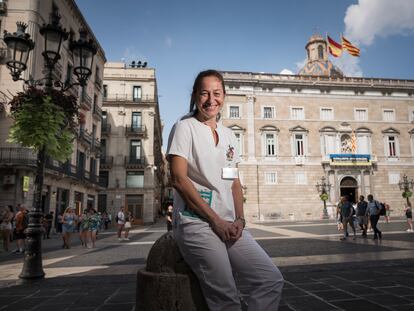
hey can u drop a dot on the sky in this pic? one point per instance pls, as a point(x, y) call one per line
point(180, 38)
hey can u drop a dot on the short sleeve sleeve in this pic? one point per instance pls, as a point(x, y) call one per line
point(179, 140)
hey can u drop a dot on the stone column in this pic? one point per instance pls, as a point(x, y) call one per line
point(336, 186)
point(362, 184)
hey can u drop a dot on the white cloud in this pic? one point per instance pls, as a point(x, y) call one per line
point(349, 65)
point(168, 42)
point(286, 72)
point(371, 18)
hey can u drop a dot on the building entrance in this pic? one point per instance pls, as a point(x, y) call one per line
point(349, 187)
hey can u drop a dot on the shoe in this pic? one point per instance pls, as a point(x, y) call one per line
point(126, 239)
point(409, 230)
point(17, 251)
point(343, 239)
point(119, 239)
point(380, 235)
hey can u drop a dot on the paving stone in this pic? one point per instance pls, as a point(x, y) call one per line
point(359, 290)
point(359, 305)
point(293, 292)
point(409, 307)
point(331, 295)
point(399, 290)
point(117, 307)
point(315, 287)
point(52, 307)
point(388, 300)
point(308, 303)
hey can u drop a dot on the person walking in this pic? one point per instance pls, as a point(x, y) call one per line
point(21, 223)
point(68, 226)
point(208, 217)
point(120, 220)
point(6, 217)
point(387, 215)
point(94, 221)
point(128, 224)
point(347, 213)
point(361, 213)
point(373, 212)
point(48, 224)
point(409, 215)
point(83, 228)
point(169, 217)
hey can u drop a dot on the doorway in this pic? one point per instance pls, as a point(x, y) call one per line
point(349, 187)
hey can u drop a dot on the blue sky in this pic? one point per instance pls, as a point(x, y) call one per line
point(179, 38)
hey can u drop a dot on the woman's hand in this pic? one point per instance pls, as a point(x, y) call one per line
point(225, 230)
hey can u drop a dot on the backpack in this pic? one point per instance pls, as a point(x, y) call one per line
point(381, 208)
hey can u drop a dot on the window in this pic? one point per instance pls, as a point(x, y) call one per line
point(268, 112)
point(411, 116)
point(297, 113)
point(329, 144)
point(393, 178)
point(361, 114)
point(135, 151)
point(105, 91)
point(299, 145)
point(234, 112)
point(327, 114)
point(136, 120)
point(270, 178)
point(104, 178)
point(136, 93)
point(135, 180)
point(301, 178)
point(363, 144)
point(392, 146)
point(239, 143)
point(320, 52)
point(388, 115)
point(270, 146)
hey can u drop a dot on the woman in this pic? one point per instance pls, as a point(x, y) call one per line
point(94, 221)
point(84, 228)
point(6, 217)
point(68, 226)
point(409, 214)
point(208, 217)
point(128, 224)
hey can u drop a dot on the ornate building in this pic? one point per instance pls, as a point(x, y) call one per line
point(74, 183)
point(292, 130)
point(132, 167)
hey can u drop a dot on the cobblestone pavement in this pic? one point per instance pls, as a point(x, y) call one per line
point(321, 272)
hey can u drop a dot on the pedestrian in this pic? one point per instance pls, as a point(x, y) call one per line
point(409, 215)
point(128, 224)
point(169, 217)
point(208, 221)
point(94, 221)
point(6, 217)
point(373, 212)
point(84, 228)
point(105, 219)
point(361, 213)
point(120, 220)
point(59, 222)
point(22, 221)
point(49, 222)
point(387, 215)
point(347, 212)
point(68, 226)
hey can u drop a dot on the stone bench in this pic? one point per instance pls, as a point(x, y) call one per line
point(167, 282)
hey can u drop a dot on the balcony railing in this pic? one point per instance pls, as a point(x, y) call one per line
point(133, 162)
point(97, 111)
point(85, 137)
point(106, 161)
point(98, 82)
point(135, 130)
point(105, 129)
point(18, 156)
point(86, 100)
point(129, 98)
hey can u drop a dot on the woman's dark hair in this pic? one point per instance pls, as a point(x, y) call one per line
point(197, 86)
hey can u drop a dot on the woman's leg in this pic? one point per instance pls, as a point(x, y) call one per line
point(68, 234)
point(6, 239)
point(259, 280)
point(93, 238)
point(207, 256)
point(126, 233)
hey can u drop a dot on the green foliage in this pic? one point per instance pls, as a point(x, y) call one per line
point(324, 196)
point(39, 122)
point(407, 194)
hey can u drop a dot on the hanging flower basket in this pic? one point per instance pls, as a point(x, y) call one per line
point(324, 196)
point(407, 194)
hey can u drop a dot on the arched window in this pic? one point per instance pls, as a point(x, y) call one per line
point(320, 52)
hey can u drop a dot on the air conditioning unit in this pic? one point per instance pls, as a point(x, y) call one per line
point(9, 179)
point(299, 160)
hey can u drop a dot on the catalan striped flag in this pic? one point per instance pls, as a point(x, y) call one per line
point(352, 49)
point(334, 47)
point(353, 142)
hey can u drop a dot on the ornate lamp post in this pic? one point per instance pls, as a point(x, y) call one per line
point(406, 186)
point(20, 45)
point(323, 188)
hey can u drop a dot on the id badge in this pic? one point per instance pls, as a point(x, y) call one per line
point(229, 173)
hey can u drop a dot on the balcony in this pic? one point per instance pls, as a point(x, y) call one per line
point(18, 156)
point(85, 138)
point(132, 162)
point(97, 112)
point(86, 100)
point(98, 82)
point(96, 146)
point(129, 98)
point(106, 162)
point(105, 129)
point(140, 131)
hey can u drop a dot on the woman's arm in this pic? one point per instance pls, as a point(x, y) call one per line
point(186, 189)
point(239, 222)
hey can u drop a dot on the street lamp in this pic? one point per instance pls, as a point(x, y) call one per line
point(406, 186)
point(323, 189)
point(20, 45)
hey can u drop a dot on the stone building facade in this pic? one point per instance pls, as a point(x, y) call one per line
point(74, 183)
point(292, 130)
point(132, 168)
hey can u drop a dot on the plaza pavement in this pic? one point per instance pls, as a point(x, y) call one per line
point(321, 272)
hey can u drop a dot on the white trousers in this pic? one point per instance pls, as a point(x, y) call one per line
point(219, 266)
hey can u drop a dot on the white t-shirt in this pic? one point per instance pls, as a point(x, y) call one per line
point(193, 140)
point(121, 218)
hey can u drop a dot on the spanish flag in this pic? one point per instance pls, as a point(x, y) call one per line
point(334, 47)
point(352, 49)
